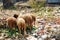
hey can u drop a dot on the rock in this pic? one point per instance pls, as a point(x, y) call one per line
point(53, 39)
point(35, 35)
point(31, 38)
point(40, 39)
point(8, 39)
point(1, 38)
point(58, 36)
point(44, 36)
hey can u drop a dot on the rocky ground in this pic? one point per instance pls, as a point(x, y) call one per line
point(46, 28)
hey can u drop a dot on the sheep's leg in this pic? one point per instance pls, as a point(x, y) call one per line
point(25, 35)
point(14, 26)
point(19, 29)
point(34, 22)
point(30, 28)
point(24, 30)
point(10, 27)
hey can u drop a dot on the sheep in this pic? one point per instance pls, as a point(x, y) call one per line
point(30, 20)
point(21, 25)
point(11, 22)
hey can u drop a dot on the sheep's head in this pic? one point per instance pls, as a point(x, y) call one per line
point(15, 15)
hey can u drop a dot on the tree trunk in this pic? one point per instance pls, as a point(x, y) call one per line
point(7, 3)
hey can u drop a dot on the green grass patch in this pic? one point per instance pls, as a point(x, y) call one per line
point(13, 31)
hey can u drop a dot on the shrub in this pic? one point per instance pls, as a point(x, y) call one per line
point(36, 4)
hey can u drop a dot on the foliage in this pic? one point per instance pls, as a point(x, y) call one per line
point(50, 9)
point(36, 4)
point(46, 12)
point(12, 8)
point(33, 28)
point(13, 31)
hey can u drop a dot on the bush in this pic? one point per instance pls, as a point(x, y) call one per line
point(12, 7)
point(36, 4)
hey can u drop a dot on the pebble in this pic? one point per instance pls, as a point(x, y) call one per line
point(31, 38)
point(44, 36)
point(53, 39)
point(1, 37)
point(8, 39)
point(40, 39)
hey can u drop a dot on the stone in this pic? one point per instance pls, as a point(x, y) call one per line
point(1, 38)
point(31, 38)
point(44, 36)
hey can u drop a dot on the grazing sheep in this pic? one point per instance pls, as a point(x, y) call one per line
point(11, 22)
point(30, 20)
point(21, 25)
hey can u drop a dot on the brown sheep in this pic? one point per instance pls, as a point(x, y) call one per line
point(30, 20)
point(21, 25)
point(11, 22)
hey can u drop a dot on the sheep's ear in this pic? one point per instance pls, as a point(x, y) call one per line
point(15, 15)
